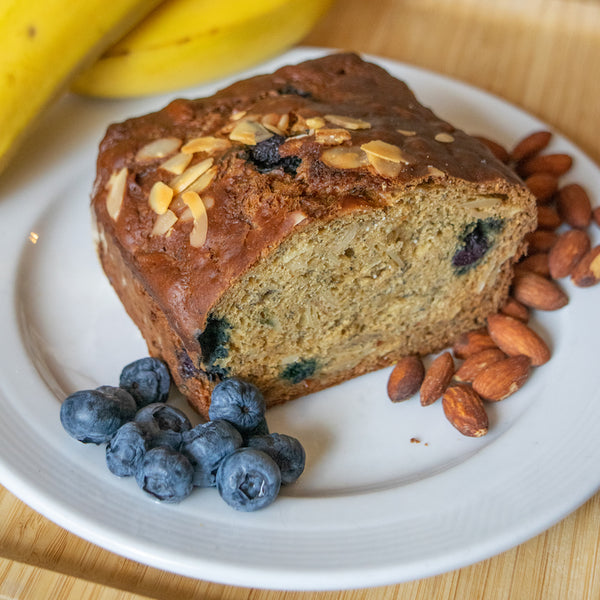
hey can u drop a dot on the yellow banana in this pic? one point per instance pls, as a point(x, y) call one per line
point(186, 42)
point(44, 42)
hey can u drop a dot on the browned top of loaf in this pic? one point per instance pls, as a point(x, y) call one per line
point(252, 211)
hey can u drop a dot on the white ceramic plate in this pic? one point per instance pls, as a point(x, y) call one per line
point(373, 507)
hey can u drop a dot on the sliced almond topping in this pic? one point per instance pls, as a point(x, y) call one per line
point(206, 144)
point(315, 122)
point(270, 119)
point(189, 176)
point(164, 223)
point(203, 181)
point(435, 172)
point(236, 115)
point(384, 167)
point(160, 197)
point(158, 149)
point(274, 129)
point(348, 122)
point(249, 133)
point(200, 228)
point(386, 151)
point(116, 192)
point(332, 137)
point(284, 122)
point(407, 132)
point(177, 164)
point(296, 217)
point(186, 215)
point(444, 137)
point(344, 157)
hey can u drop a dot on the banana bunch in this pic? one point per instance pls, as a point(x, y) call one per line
point(51, 45)
point(44, 43)
point(186, 42)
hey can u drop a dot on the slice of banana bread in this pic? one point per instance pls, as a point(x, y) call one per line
point(302, 228)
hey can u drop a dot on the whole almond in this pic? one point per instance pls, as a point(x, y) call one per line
point(475, 363)
point(472, 342)
point(437, 378)
point(502, 378)
point(574, 206)
point(406, 378)
point(513, 308)
point(536, 263)
point(464, 409)
point(569, 249)
point(587, 271)
point(531, 145)
point(555, 164)
point(495, 148)
point(548, 217)
point(514, 337)
point(536, 291)
point(542, 185)
point(540, 240)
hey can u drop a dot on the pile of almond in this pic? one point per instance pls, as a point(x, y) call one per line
point(496, 360)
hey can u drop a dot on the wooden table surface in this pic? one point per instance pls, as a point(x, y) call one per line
point(543, 55)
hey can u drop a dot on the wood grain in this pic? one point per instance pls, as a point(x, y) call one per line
point(543, 55)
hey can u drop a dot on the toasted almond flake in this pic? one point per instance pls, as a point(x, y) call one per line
point(435, 172)
point(116, 192)
point(249, 133)
point(158, 149)
point(296, 217)
point(236, 115)
point(270, 119)
point(164, 223)
point(200, 228)
point(206, 144)
point(189, 176)
point(444, 137)
point(344, 157)
point(332, 137)
point(300, 125)
point(177, 164)
point(186, 215)
point(203, 181)
point(386, 151)
point(348, 122)
point(284, 122)
point(383, 166)
point(315, 122)
point(160, 197)
point(274, 129)
point(407, 132)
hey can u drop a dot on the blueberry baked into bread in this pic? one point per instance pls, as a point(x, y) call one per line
point(301, 228)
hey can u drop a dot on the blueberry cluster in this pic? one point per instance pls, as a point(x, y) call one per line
point(155, 442)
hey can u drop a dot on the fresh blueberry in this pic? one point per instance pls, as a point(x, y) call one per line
point(148, 380)
point(239, 402)
point(248, 479)
point(123, 396)
point(285, 450)
point(163, 424)
point(126, 449)
point(265, 156)
point(93, 416)
point(206, 445)
point(165, 474)
point(261, 429)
